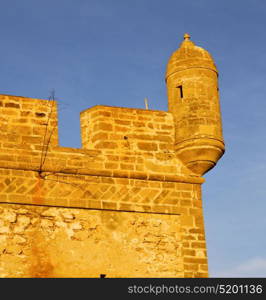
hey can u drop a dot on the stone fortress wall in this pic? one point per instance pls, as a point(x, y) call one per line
point(128, 203)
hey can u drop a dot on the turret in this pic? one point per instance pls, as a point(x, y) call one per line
point(193, 99)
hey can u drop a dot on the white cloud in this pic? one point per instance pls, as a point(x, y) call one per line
point(255, 267)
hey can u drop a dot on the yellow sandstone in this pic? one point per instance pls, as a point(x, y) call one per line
point(128, 203)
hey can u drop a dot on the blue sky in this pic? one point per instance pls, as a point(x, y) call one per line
point(115, 53)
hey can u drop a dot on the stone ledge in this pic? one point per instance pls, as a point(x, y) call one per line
point(96, 192)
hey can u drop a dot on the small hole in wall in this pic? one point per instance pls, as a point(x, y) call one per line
point(40, 115)
point(125, 137)
point(102, 275)
point(180, 90)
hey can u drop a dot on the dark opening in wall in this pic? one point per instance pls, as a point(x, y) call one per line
point(180, 91)
point(40, 115)
point(102, 275)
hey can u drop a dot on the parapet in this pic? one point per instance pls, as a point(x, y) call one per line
point(127, 129)
point(25, 122)
point(122, 143)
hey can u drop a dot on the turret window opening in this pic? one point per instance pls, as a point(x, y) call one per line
point(180, 91)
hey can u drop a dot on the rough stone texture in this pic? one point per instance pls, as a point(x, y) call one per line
point(128, 204)
point(59, 242)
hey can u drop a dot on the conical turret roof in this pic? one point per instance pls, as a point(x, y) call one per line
point(188, 55)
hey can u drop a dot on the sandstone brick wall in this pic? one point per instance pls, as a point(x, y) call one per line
point(132, 202)
point(24, 122)
point(127, 129)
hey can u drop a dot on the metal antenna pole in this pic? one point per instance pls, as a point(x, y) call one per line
point(146, 103)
